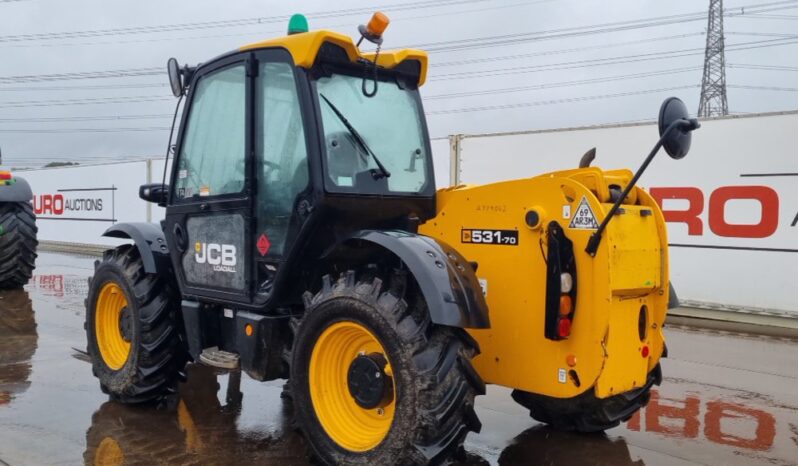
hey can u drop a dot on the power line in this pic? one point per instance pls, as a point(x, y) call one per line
point(617, 26)
point(84, 118)
point(84, 130)
point(471, 61)
point(558, 101)
point(87, 101)
point(455, 45)
point(764, 88)
point(123, 73)
point(608, 61)
point(228, 23)
point(82, 87)
point(278, 31)
point(762, 67)
point(560, 84)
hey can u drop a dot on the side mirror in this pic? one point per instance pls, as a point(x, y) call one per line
point(677, 141)
point(175, 77)
point(154, 192)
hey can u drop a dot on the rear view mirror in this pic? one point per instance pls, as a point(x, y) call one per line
point(154, 192)
point(175, 77)
point(677, 141)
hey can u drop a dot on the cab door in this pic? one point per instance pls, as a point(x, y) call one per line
point(282, 172)
point(208, 217)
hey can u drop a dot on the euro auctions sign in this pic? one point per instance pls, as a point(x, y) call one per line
point(87, 204)
point(739, 211)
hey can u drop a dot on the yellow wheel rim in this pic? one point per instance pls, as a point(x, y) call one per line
point(114, 348)
point(347, 423)
point(109, 453)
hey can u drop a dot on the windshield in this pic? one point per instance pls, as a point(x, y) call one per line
point(390, 124)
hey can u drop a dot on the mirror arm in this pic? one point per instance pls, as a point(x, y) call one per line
point(595, 238)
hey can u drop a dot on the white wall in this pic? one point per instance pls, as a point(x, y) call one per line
point(77, 204)
point(722, 151)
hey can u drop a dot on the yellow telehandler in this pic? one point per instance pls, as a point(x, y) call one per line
point(304, 239)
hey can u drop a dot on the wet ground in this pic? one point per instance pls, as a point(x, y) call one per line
point(726, 399)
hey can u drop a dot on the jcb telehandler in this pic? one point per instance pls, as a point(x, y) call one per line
point(304, 239)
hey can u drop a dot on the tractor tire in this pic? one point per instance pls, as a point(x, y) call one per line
point(586, 413)
point(133, 329)
point(17, 244)
point(426, 400)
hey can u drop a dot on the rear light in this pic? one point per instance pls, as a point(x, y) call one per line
point(566, 282)
point(566, 305)
point(564, 328)
point(644, 351)
point(5, 175)
point(560, 284)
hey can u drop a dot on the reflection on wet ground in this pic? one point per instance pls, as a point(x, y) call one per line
point(726, 399)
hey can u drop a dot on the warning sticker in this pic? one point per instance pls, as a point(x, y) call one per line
point(583, 218)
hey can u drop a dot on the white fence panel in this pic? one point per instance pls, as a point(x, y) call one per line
point(77, 204)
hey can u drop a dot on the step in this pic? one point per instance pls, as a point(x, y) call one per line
point(215, 357)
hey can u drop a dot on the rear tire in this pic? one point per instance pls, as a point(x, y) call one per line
point(586, 413)
point(432, 405)
point(133, 335)
point(17, 244)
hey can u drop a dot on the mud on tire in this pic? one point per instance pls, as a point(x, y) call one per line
point(435, 384)
point(17, 244)
point(157, 353)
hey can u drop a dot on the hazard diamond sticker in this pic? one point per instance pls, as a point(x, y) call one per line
point(583, 218)
point(263, 245)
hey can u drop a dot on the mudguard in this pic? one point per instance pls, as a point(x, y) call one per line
point(447, 280)
point(673, 300)
point(19, 191)
point(150, 241)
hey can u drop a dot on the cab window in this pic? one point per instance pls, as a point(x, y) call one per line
point(211, 159)
point(281, 152)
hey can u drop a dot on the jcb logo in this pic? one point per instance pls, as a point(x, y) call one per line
point(221, 256)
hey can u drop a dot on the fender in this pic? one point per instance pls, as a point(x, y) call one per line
point(447, 280)
point(673, 300)
point(18, 192)
point(150, 241)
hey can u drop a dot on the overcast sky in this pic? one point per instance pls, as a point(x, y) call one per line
point(563, 81)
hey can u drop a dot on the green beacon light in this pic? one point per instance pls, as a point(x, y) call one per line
point(297, 24)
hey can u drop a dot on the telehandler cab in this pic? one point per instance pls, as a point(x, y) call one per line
point(304, 239)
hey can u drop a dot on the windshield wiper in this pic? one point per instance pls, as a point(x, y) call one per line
point(383, 172)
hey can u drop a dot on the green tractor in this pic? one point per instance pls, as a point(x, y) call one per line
point(17, 231)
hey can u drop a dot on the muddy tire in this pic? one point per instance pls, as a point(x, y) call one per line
point(133, 329)
point(17, 244)
point(586, 413)
point(429, 384)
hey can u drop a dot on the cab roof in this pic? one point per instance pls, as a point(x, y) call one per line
point(304, 47)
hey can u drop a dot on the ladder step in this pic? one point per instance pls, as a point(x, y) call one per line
point(215, 357)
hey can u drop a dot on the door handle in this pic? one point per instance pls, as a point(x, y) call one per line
point(181, 239)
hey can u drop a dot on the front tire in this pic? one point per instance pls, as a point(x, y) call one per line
point(17, 244)
point(426, 405)
point(132, 329)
